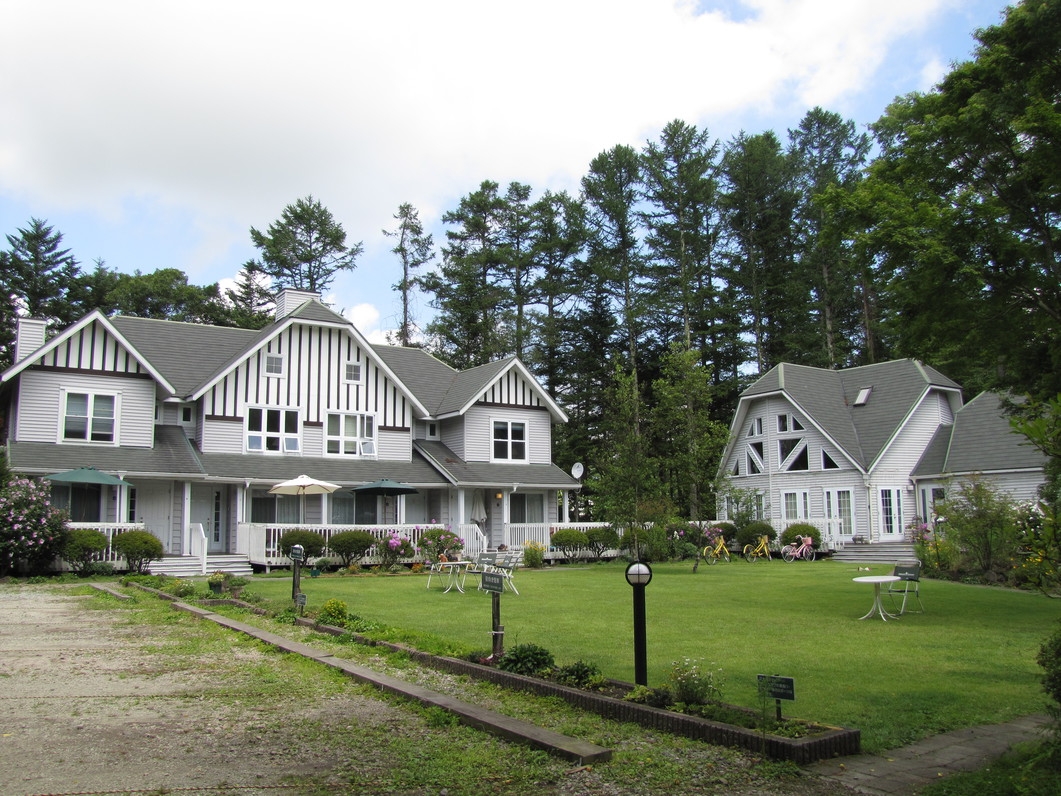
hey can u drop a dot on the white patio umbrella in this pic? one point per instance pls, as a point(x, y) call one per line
point(478, 512)
point(302, 486)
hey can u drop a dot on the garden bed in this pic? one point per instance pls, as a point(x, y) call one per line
point(820, 743)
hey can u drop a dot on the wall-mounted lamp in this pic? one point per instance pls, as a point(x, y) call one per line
point(497, 496)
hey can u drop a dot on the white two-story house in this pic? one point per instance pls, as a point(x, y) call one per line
point(861, 453)
point(201, 421)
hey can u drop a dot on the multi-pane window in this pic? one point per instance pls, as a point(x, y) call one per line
point(273, 430)
point(274, 365)
point(797, 505)
point(755, 429)
point(786, 423)
point(351, 435)
point(89, 417)
point(352, 372)
point(510, 440)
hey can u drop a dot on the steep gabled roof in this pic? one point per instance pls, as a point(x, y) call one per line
point(829, 399)
point(183, 352)
point(980, 441)
point(448, 392)
point(106, 323)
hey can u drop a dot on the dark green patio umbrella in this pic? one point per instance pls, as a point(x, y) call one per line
point(86, 475)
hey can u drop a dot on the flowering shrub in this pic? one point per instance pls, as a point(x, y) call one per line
point(438, 542)
point(32, 531)
point(692, 684)
point(534, 555)
point(392, 547)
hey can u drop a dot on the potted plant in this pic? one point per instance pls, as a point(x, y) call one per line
point(216, 581)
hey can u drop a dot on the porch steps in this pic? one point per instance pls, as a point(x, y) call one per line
point(190, 567)
point(882, 553)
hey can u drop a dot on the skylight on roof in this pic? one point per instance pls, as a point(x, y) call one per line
point(863, 396)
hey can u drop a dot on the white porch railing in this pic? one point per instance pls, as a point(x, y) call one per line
point(518, 534)
point(262, 540)
point(110, 530)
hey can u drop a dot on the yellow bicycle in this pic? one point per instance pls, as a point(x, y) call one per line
point(714, 552)
point(754, 551)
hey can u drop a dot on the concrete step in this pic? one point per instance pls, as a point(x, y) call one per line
point(881, 553)
point(190, 566)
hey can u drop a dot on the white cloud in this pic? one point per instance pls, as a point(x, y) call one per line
point(192, 122)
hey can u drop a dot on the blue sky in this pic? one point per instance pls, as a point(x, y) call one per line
point(154, 135)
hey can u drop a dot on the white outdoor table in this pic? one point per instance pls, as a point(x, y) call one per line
point(454, 568)
point(878, 606)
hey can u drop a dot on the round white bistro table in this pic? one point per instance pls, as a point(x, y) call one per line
point(878, 607)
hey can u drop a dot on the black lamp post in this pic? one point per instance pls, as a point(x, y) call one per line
point(638, 574)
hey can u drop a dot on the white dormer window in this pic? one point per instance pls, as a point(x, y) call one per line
point(90, 417)
point(352, 372)
point(274, 365)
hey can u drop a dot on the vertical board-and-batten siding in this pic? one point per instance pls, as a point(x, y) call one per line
point(91, 349)
point(313, 380)
point(40, 415)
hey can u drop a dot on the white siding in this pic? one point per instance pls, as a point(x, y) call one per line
point(478, 432)
point(222, 436)
point(452, 436)
point(41, 410)
point(395, 446)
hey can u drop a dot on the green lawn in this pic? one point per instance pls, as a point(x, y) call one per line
point(969, 659)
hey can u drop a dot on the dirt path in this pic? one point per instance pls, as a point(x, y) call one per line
point(84, 710)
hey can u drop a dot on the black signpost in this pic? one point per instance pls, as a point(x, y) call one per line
point(777, 687)
point(495, 584)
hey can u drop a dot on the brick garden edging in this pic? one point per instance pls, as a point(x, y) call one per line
point(834, 742)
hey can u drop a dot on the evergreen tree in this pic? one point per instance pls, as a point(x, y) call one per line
point(829, 155)
point(251, 301)
point(610, 191)
point(305, 248)
point(470, 328)
point(759, 205)
point(39, 272)
point(414, 250)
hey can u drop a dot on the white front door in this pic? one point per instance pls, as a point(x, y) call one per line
point(154, 508)
point(891, 514)
point(208, 508)
point(839, 517)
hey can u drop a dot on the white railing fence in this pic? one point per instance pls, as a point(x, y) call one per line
point(263, 540)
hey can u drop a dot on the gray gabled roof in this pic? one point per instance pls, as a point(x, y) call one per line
point(980, 441)
point(828, 399)
point(458, 471)
point(429, 378)
point(184, 352)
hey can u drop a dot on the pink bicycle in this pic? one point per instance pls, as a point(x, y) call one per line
point(805, 549)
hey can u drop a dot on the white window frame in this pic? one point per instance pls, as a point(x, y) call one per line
point(289, 443)
point(800, 502)
point(357, 377)
point(840, 521)
point(91, 417)
point(274, 367)
point(361, 444)
point(510, 444)
point(785, 462)
point(890, 502)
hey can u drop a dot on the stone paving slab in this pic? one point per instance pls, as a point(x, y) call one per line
point(900, 772)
